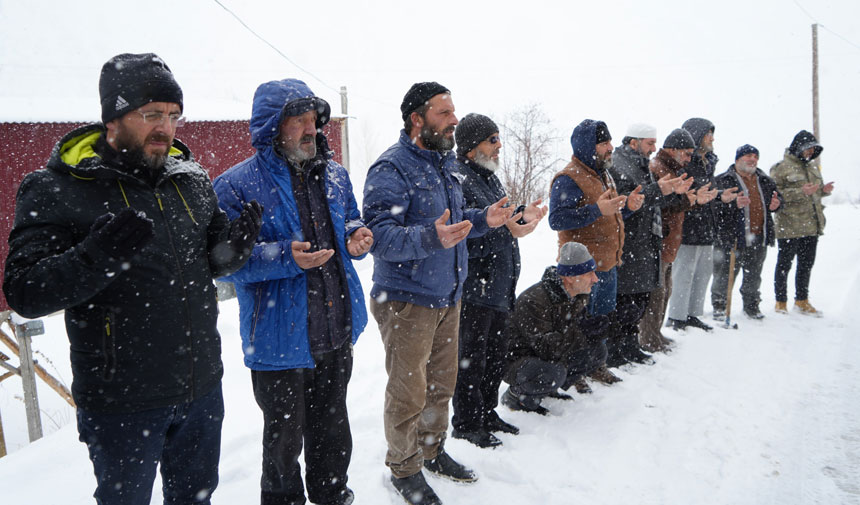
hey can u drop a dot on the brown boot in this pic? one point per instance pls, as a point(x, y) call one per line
point(604, 376)
point(781, 308)
point(581, 386)
point(805, 308)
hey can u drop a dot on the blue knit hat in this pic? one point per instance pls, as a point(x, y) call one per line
point(574, 259)
point(744, 150)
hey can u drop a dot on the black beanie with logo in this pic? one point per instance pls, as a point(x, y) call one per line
point(129, 81)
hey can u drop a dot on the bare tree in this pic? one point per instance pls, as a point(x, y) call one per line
point(528, 154)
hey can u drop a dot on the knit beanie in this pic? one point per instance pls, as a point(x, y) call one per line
point(574, 259)
point(602, 133)
point(419, 94)
point(472, 130)
point(679, 139)
point(744, 150)
point(130, 81)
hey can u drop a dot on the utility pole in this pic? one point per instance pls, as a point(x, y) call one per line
point(344, 109)
point(815, 128)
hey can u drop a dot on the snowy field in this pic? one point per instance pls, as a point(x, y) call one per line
point(769, 413)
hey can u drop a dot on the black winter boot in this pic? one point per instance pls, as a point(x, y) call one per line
point(492, 422)
point(415, 491)
point(444, 465)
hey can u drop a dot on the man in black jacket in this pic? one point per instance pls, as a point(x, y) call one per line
point(122, 230)
point(639, 272)
point(693, 266)
point(490, 288)
point(553, 339)
point(744, 228)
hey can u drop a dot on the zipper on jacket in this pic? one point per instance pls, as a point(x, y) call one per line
point(256, 312)
point(187, 327)
point(109, 350)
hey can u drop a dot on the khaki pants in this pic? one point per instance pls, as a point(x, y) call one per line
point(652, 321)
point(421, 361)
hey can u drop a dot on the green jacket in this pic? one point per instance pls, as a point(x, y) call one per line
point(801, 215)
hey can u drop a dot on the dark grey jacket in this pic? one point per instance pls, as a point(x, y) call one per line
point(643, 230)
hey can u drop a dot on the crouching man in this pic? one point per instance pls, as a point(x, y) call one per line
point(553, 339)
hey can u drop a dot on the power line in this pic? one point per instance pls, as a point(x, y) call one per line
point(841, 37)
point(334, 89)
point(821, 25)
point(276, 49)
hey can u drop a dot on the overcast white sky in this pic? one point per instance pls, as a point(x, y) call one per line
point(745, 65)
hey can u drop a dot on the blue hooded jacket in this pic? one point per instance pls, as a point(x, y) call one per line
point(565, 213)
point(406, 190)
point(271, 287)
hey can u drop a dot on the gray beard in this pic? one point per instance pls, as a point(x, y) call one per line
point(486, 162)
point(745, 170)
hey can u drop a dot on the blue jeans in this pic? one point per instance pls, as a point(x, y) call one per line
point(603, 293)
point(126, 448)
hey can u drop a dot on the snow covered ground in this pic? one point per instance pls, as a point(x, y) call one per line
point(769, 413)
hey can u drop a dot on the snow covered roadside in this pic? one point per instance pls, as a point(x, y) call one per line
point(765, 414)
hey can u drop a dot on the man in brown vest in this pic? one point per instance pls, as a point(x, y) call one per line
point(586, 208)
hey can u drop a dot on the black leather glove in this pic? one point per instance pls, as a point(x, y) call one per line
point(629, 313)
point(245, 228)
point(593, 326)
point(118, 236)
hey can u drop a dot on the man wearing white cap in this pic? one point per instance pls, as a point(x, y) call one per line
point(639, 272)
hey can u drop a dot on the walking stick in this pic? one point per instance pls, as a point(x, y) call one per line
point(729, 324)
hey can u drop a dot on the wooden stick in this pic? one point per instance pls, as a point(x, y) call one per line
point(56, 385)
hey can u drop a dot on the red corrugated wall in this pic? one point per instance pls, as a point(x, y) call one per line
point(217, 145)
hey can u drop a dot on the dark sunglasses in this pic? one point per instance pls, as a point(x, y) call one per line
point(494, 139)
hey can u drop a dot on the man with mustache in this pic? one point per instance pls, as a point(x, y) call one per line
point(639, 272)
point(301, 306)
point(745, 225)
point(122, 230)
point(490, 289)
point(413, 203)
point(585, 207)
point(693, 265)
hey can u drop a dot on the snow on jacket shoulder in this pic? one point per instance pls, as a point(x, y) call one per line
point(144, 336)
point(406, 190)
point(271, 287)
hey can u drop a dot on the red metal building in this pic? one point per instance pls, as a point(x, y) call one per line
point(217, 146)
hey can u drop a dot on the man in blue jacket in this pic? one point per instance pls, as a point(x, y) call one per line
point(301, 305)
point(414, 204)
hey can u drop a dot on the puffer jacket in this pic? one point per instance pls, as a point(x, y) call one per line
point(143, 334)
point(544, 323)
point(494, 259)
point(271, 287)
point(699, 220)
point(405, 192)
point(802, 215)
point(643, 230)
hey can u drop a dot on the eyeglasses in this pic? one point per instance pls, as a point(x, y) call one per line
point(176, 119)
point(494, 139)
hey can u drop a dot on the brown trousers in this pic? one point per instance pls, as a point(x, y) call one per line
point(652, 321)
point(421, 361)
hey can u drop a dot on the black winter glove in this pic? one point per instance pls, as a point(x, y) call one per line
point(593, 326)
point(629, 313)
point(245, 228)
point(119, 236)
